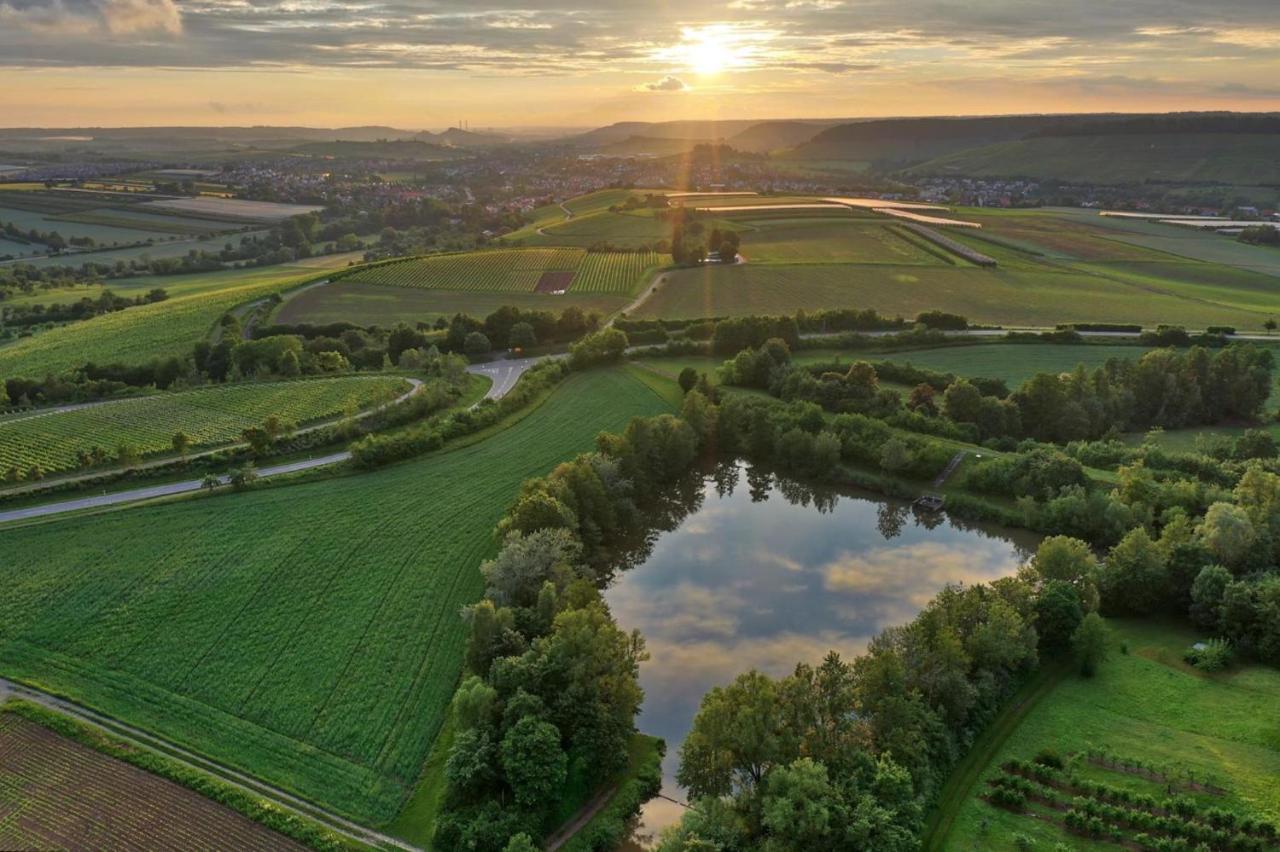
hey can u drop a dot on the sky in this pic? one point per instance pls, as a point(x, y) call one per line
point(428, 64)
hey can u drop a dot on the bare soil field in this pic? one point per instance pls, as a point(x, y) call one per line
point(59, 794)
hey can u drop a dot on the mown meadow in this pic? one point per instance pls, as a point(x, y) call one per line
point(308, 635)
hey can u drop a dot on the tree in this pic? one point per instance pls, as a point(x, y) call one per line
point(522, 336)
point(602, 347)
point(210, 482)
point(181, 443)
point(477, 343)
point(1134, 575)
point(474, 703)
point(1058, 614)
point(688, 379)
point(1270, 326)
point(800, 807)
point(1090, 641)
point(894, 455)
point(126, 455)
point(522, 843)
point(533, 761)
point(1228, 534)
point(290, 365)
point(738, 735)
point(1207, 594)
point(242, 477)
point(1070, 560)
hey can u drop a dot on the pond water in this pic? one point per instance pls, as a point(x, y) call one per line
point(759, 572)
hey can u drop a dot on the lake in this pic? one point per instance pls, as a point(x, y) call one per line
point(764, 573)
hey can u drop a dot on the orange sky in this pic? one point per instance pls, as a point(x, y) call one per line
point(428, 64)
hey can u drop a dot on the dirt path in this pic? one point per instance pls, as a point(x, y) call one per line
point(950, 469)
point(580, 819)
point(142, 739)
point(659, 278)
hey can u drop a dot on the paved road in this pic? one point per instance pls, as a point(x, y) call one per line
point(504, 374)
point(141, 739)
point(416, 387)
point(185, 487)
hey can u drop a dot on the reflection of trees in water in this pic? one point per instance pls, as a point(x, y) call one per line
point(687, 495)
point(891, 516)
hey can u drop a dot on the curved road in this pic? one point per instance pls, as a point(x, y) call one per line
point(504, 375)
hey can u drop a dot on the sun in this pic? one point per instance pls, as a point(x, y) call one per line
point(710, 55)
point(711, 50)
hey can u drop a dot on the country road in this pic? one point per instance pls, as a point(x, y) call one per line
point(504, 375)
point(416, 387)
point(141, 739)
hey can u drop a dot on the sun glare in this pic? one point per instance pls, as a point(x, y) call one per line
point(711, 50)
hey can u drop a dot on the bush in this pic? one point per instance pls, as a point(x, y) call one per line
point(1214, 655)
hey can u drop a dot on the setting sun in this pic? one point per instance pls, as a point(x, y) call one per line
point(710, 55)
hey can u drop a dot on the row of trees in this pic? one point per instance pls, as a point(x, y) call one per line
point(548, 709)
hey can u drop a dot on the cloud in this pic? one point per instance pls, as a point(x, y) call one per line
point(123, 17)
point(666, 84)
point(91, 18)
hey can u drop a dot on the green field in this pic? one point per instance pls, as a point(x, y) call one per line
point(1146, 704)
point(308, 634)
point(855, 241)
point(158, 330)
point(1010, 296)
point(515, 270)
point(363, 304)
point(208, 416)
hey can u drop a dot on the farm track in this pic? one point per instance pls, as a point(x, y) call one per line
point(141, 739)
point(35, 487)
point(504, 375)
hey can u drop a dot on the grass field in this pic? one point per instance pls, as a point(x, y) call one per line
point(208, 416)
point(56, 793)
point(856, 241)
point(308, 634)
point(385, 306)
point(159, 330)
point(1010, 296)
point(1145, 704)
point(515, 270)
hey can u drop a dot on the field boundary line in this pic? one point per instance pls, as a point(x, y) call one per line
point(247, 783)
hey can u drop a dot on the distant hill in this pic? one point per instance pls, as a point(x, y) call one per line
point(912, 140)
point(1238, 159)
point(775, 135)
point(704, 131)
point(397, 149)
point(456, 137)
point(650, 146)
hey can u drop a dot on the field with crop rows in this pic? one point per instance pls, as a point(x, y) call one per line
point(309, 635)
point(158, 330)
point(825, 240)
point(514, 270)
point(209, 417)
point(58, 794)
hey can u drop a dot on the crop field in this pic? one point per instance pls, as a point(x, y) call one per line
point(102, 234)
point(1146, 705)
point(55, 201)
point(309, 634)
point(342, 301)
point(58, 794)
point(231, 208)
point(157, 330)
point(149, 222)
point(856, 241)
point(1016, 293)
point(208, 416)
point(514, 270)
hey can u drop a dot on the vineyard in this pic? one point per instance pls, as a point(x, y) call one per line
point(136, 335)
point(514, 270)
point(63, 440)
point(58, 794)
point(309, 635)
